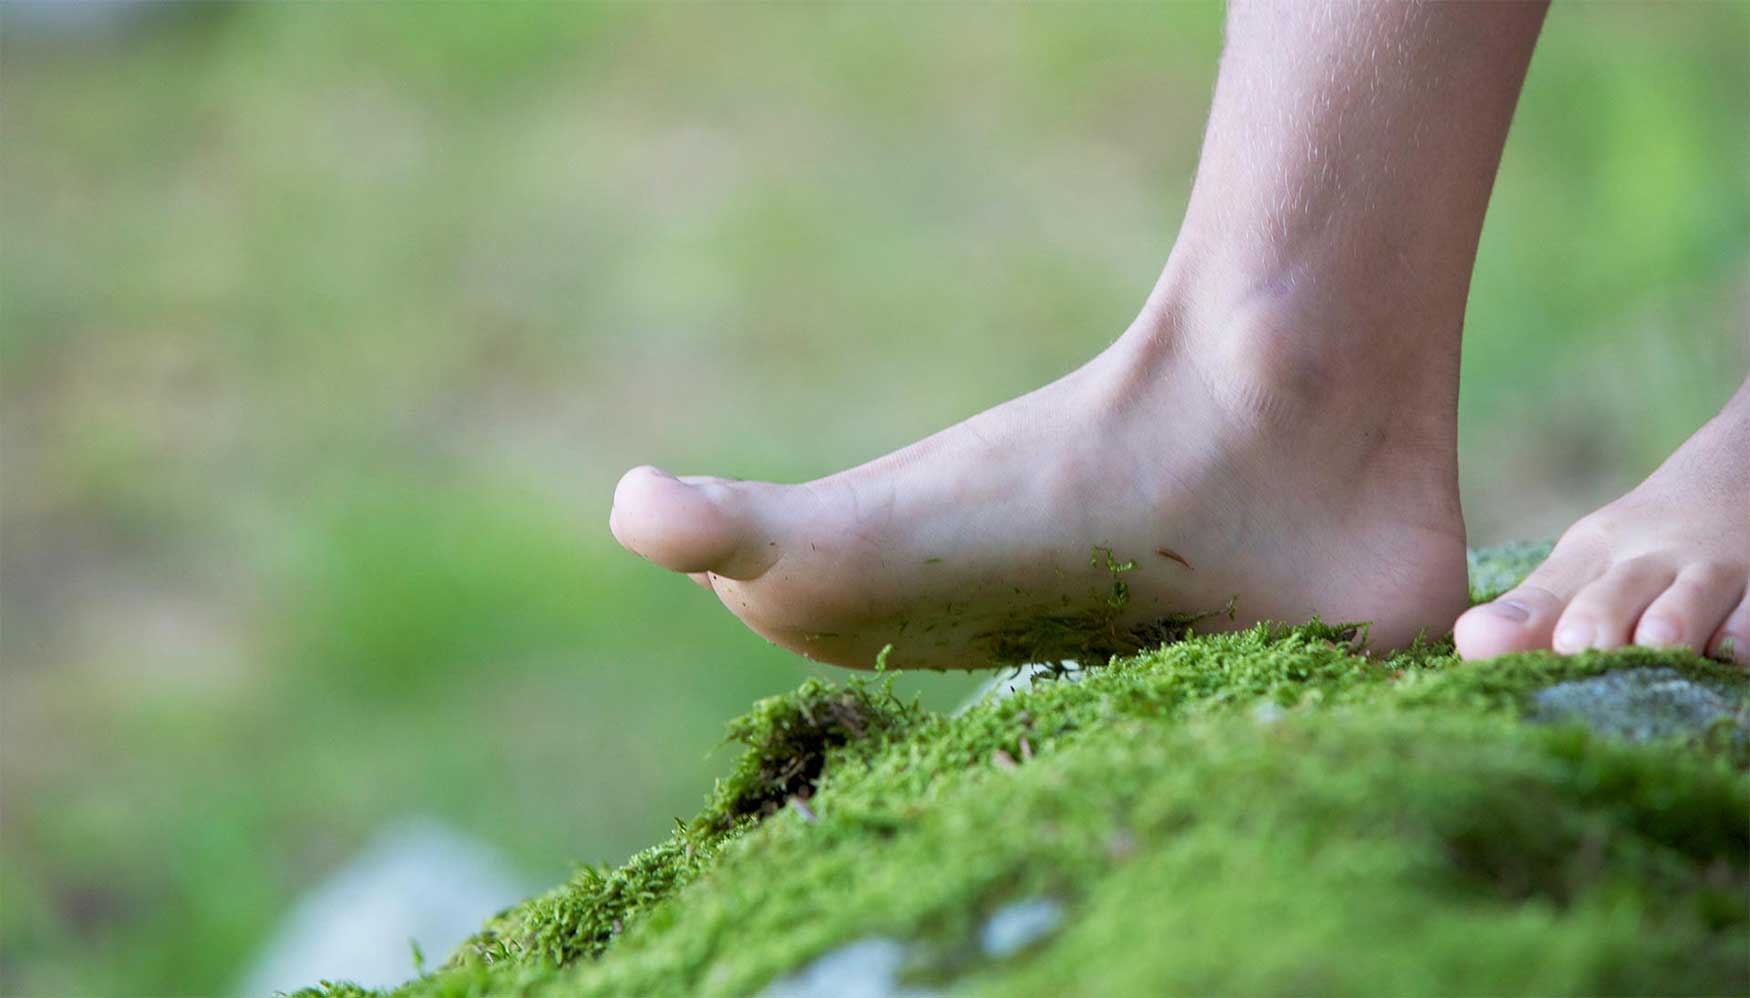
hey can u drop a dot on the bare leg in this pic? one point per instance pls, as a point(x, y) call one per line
point(1665, 565)
point(1277, 427)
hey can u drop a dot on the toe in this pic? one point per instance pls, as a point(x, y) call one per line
point(1520, 620)
point(1524, 618)
point(1686, 614)
point(707, 526)
point(1603, 614)
point(1731, 643)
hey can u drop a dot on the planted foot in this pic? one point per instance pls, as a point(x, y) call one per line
point(1203, 473)
point(1664, 566)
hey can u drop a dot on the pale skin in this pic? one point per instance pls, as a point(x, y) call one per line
point(1274, 436)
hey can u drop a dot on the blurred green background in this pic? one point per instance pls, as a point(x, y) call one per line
point(325, 332)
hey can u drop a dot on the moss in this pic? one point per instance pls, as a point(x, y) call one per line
point(1270, 810)
point(1090, 634)
point(1498, 569)
point(789, 738)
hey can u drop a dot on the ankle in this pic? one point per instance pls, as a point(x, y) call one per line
point(1288, 349)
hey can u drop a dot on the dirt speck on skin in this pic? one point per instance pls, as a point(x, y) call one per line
point(1172, 555)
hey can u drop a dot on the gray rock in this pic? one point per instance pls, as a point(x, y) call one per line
point(417, 881)
point(1268, 712)
point(1015, 927)
point(868, 968)
point(1639, 705)
point(1008, 682)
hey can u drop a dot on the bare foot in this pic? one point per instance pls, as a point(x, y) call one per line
point(1212, 470)
point(1664, 566)
point(1273, 438)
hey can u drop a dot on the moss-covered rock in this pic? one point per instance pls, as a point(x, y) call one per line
point(1266, 811)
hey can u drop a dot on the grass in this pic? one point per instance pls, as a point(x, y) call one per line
point(1260, 812)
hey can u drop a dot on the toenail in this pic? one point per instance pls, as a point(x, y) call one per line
point(1506, 609)
point(1573, 637)
point(1656, 633)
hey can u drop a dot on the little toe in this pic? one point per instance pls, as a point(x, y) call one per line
point(711, 526)
point(1685, 615)
point(1603, 614)
point(1731, 643)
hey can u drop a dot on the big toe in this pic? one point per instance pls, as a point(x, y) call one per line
point(692, 526)
point(1521, 620)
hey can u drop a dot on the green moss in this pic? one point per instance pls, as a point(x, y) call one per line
point(788, 740)
point(1089, 633)
point(1263, 811)
point(1498, 569)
